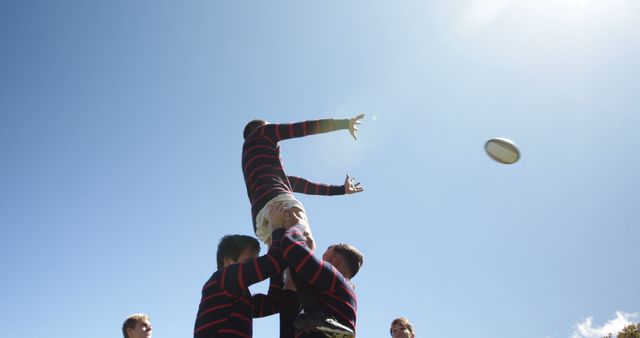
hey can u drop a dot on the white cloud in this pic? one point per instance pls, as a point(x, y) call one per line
point(587, 330)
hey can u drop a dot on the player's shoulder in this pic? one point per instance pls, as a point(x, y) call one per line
point(259, 136)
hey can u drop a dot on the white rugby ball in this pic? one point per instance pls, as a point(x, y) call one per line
point(502, 150)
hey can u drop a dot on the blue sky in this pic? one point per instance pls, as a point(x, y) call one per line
point(120, 140)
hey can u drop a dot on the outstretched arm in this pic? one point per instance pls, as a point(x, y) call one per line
point(278, 132)
point(304, 186)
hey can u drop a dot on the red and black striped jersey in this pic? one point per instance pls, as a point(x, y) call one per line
point(262, 167)
point(335, 292)
point(227, 307)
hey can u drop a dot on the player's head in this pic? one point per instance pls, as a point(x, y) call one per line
point(401, 328)
point(236, 249)
point(137, 326)
point(346, 258)
point(251, 126)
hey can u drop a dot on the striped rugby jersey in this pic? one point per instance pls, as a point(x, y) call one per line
point(227, 307)
point(262, 166)
point(335, 292)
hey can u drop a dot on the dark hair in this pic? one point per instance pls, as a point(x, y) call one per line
point(131, 321)
point(232, 246)
point(251, 126)
point(351, 255)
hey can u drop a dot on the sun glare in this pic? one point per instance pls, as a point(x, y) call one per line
point(542, 14)
point(581, 9)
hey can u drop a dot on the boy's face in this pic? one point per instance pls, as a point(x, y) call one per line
point(400, 331)
point(141, 330)
point(246, 256)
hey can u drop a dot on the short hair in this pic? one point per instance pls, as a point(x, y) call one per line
point(251, 126)
point(351, 255)
point(131, 321)
point(232, 246)
point(404, 322)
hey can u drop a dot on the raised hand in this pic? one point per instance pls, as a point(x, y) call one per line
point(353, 125)
point(351, 186)
point(293, 216)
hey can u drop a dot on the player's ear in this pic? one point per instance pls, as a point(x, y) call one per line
point(228, 261)
point(337, 262)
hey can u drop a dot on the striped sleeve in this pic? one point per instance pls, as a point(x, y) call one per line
point(236, 278)
point(266, 305)
point(303, 186)
point(322, 275)
point(278, 132)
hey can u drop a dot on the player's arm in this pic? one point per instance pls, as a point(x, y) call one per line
point(236, 278)
point(318, 273)
point(266, 305)
point(278, 132)
point(304, 186)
